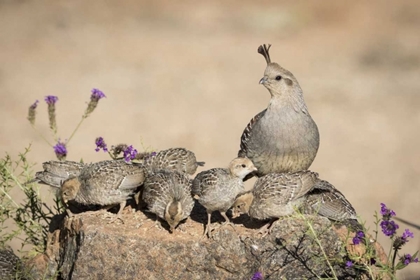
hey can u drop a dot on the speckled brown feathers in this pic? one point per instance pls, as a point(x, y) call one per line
point(179, 159)
point(280, 194)
point(168, 195)
point(277, 195)
point(104, 183)
point(327, 201)
point(10, 264)
point(55, 172)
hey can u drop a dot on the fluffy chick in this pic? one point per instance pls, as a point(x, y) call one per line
point(217, 188)
point(105, 183)
point(168, 195)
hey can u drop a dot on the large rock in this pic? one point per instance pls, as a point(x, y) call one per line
point(86, 246)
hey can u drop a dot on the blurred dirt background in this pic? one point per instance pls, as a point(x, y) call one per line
point(186, 75)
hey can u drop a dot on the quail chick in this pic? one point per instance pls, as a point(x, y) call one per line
point(283, 137)
point(279, 194)
point(179, 159)
point(217, 188)
point(10, 264)
point(55, 172)
point(168, 195)
point(105, 183)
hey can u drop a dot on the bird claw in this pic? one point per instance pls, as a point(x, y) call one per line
point(212, 228)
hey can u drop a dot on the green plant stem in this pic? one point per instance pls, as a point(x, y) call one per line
point(9, 197)
point(42, 136)
point(393, 262)
point(77, 127)
point(320, 246)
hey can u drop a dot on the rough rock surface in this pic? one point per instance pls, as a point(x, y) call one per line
point(86, 246)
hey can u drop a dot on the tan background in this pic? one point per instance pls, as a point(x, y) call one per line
point(187, 75)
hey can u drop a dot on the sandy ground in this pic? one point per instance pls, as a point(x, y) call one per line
point(186, 75)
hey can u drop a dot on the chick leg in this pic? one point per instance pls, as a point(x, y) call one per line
point(118, 216)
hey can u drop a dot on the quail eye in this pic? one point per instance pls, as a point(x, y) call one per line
point(278, 78)
point(243, 165)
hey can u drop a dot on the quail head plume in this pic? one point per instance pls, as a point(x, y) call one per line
point(283, 137)
point(217, 188)
point(105, 183)
point(168, 195)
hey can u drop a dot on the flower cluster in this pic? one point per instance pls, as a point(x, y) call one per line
point(129, 153)
point(60, 150)
point(257, 276)
point(389, 227)
point(51, 100)
point(100, 144)
point(32, 112)
point(94, 99)
point(407, 259)
point(358, 238)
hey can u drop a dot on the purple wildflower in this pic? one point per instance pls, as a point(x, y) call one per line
point(130, 153)
point(401, 240)
point(406, 234)
point(33, 106)
point(100, 144)
point(32, 112)
point(51, 99)
point(257, 276)
point(358, 238)
point(94, 99)
point(60, 150)
point(386, 213)
point(407, 259)
point(389, 227)
point(97, 94)
point(349, 264)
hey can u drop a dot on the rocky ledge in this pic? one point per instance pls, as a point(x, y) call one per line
point(87, 246)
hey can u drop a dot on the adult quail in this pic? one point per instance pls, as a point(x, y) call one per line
point(55, 172)
point(179, 159)
point(217, 188)
point(105, 183)
point(279, 194)
point(10, 264)
point(283, 137)
point(168, 195)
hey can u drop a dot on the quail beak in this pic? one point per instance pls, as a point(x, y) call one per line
point(171, 229)
point(254, 169)
point(263, 80)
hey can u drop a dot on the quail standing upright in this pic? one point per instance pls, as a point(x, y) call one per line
point(283, 137)
point(168, 195)
point(104, 183)
point(217, 188)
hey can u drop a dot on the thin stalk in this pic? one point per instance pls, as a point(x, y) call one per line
point(77, 127)
point(40, 135)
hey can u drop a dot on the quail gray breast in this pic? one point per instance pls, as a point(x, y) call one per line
point(179, 159)
point(283, 137)
point(168, 195)
point(55, 172)
point(280, 194)
point(105, 183)
point(217, 188)
point(10, 264)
